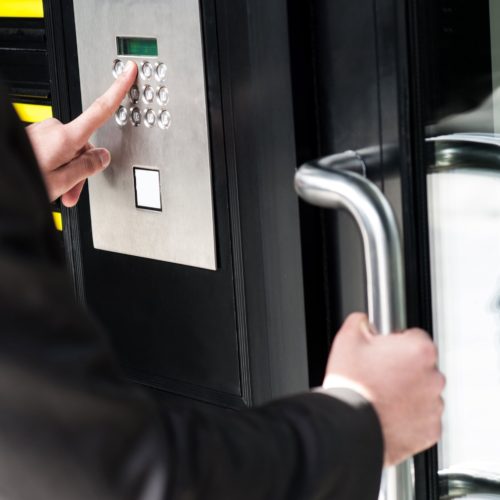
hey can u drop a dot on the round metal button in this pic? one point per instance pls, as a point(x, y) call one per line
point(121, 116)
point(148, 94)
point(165, 120)
point(134, 94)
point(146, 70)
point(136, 116)
point(150, 118)
point(163, 96)
point(118, 67)
point(161, 72)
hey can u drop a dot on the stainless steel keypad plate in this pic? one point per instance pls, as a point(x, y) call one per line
point(159, 132)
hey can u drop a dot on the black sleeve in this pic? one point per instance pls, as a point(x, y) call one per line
point(71, 429)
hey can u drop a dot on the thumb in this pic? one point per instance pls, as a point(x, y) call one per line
point(89, 163)
point(70, 199)
point(356, 327)
point(368, 330)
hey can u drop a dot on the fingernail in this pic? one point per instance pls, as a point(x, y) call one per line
point(105, 157)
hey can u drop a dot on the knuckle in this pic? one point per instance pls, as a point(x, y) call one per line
point(91, 162)
point(441, 382)
point(64, 180)
point(435, 386)
point(427, 351)
point(418, 333)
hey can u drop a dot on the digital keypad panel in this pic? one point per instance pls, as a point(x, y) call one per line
point(155, 200)
point(147, 100)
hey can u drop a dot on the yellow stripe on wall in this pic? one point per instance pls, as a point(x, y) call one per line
point(32, 113)
point(21, 8)
point(58, 220)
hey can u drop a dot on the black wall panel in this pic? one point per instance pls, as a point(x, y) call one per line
point(234, 337)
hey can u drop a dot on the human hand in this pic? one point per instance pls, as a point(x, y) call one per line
point(398, 375)
point(64, 154)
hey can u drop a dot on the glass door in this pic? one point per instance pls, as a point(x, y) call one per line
point(462, 118)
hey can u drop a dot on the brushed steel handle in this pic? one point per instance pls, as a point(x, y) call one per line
point(336, 182)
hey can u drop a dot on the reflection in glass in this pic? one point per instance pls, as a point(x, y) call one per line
point(462, 81)
point(464, 220)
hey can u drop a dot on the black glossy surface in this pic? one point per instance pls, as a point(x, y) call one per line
point(171, 323)
point(23, 59)
point(337, 107)
point(456, 74)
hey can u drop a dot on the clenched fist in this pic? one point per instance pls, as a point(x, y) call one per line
point(399, 376)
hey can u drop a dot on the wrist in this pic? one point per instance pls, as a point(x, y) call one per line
point(336, 381)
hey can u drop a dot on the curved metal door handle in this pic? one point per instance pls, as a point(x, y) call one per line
point(337, 182)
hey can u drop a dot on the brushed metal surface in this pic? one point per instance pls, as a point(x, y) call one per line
point(183, 232)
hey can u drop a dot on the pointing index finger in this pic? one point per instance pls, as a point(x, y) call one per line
point(103, 108)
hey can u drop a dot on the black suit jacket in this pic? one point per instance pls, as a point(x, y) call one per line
point(72, 429)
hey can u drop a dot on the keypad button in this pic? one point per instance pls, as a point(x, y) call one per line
point(161, 72)
point(150, 118)
point(148, 94)
point(134, 94)
point(165, 119)
point(136, 116)
point(163, 96)
point(118, 68)
point(121, 116)
point(146, 70)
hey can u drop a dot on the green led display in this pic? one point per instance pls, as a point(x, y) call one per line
point(138, 47)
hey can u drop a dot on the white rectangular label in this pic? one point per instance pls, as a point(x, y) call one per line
point(147, 188)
